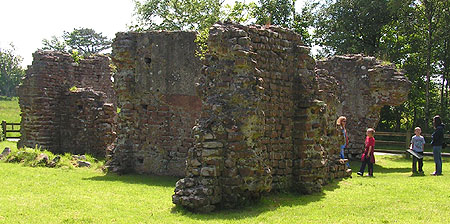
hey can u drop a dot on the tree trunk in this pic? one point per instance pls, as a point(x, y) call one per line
point(444, 78)
point(429, 15)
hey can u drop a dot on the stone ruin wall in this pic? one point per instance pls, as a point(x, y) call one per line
point(264, 125)
point(155, 85)
point(263, 117)
point(55, 117)
point(363, 86)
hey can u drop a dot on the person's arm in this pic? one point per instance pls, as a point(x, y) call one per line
point(369, 151)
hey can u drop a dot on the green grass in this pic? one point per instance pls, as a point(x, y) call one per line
point(10, 112)
point(30, 157)
point(80, 195)
point(9, 109)
point(45, 195)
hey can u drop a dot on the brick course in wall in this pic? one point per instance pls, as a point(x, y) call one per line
point(60, 118)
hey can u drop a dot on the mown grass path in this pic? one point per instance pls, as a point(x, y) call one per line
point(45, 195)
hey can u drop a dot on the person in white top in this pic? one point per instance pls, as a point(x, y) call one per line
point(417, 145)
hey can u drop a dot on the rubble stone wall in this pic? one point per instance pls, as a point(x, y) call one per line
point(262, 119)
point(364, 86)
point(155, 84)
point(58, 114)
point(263, 125)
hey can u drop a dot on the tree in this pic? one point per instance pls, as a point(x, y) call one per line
point(84, 40)
point(275, 12)
point(443, 54)
point(351, 26)
point(55, 44)
point(10, 71)
point(239, 12)
point(177, 14)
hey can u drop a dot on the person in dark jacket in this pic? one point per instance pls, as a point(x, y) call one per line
point(437, 140)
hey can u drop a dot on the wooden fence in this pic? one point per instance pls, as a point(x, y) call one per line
point(9, 128)
point(407, 136)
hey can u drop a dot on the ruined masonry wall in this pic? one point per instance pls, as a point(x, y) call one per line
point(363, 86)
point(155, 84)
point(54, 118)
point(263, 125)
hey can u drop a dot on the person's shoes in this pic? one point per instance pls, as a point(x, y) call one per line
point(359, 173)
point(421, 172)
point(348, 170)
point(368, 175)
point(433, 174)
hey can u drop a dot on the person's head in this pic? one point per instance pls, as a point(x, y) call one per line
point(370, 132)
point(437, 121)
point(417, 131)
point(341, 121)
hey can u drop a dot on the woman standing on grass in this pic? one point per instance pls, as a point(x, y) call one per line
point(340, 123)
point(437, 139)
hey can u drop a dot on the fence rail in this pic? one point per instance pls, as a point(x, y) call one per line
point(11, 129)
point(403, 134)
point(407, 136)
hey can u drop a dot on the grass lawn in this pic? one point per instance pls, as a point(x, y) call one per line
point(81, 195)
point(9, 109)
point(10, 112)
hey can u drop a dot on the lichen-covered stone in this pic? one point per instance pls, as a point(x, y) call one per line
point(262, 102)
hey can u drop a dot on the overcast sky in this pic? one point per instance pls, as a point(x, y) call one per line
point(26, 22)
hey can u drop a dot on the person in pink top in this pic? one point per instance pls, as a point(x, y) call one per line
point(368, 157)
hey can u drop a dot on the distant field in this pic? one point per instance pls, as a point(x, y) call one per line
point(10, 111)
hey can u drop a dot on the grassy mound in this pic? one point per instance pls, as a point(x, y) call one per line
point(43, 158)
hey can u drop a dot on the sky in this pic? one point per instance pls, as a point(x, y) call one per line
point(25, 23)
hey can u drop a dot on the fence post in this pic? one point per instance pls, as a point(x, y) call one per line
point(4, 130)
point(408, 140)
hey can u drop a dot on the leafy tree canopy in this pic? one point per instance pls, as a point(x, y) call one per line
point(83, 40)
point(10, 71)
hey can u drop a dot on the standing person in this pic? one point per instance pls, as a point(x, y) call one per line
point(368, 157)
point(417, 145)
point(340, 123)
point(437, 139)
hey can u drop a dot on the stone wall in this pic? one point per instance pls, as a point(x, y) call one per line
point(263, 118)
point(265, 123)
point(364, 86)
point(155, 84)
point(58, 114)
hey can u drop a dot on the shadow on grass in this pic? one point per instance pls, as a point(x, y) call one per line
point(161, 181)
point(381, 169)
point(269, 202)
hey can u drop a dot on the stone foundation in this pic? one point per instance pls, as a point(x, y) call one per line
point(58, 113)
